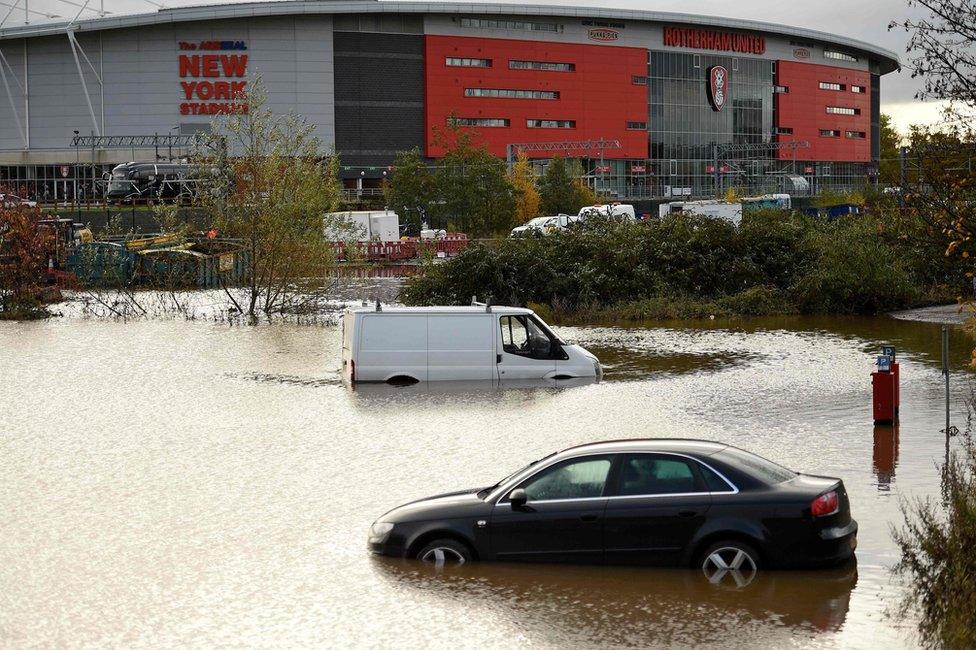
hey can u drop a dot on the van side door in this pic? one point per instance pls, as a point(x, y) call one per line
point(392, 345)
point(460, 347)
point(525, 350)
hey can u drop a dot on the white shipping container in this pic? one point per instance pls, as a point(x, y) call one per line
point(363, 225)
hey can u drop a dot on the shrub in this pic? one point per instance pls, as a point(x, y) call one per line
point(773, 262)
point(853, 270)
point(937, 557)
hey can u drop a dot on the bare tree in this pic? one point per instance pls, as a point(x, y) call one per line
point(268, 185)
point(942, 50)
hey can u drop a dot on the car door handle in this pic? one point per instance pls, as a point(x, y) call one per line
point(589, 517)
point(498, 358)
point(688, 513)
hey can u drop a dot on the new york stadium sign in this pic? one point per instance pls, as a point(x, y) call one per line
point(213, 82)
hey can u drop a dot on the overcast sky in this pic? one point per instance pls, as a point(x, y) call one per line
point(863, 19)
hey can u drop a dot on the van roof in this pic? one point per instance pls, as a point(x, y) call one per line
point(467, 309)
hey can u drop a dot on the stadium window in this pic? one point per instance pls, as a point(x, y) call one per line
point(784, 130)
point(546, 66)
point(840, 56)
point(829, 133)
point(636, 126)
point(551, 124)
point(478, 121)
point(830, 85)
point(524, 25)
point(467, 63)
point(857, 135)
point(697, 60)
point(843, 110)
point(858, 89)
point(638, 80)
point(735, 64)
point(507, 93)
point(781, 90)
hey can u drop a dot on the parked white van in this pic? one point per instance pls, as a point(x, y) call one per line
point(622, 211)
point(405, 344)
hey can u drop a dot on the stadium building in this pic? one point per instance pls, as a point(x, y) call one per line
point(655, 104)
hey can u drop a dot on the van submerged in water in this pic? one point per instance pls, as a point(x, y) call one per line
point(480, 342)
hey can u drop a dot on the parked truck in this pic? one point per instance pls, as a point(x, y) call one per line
point(717, 209)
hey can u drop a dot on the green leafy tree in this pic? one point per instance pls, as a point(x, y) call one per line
point(561, 189)
point(410, 190)
point(890, 167)
point(475, 194)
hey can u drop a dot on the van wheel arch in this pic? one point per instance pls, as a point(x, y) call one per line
point(402, 380)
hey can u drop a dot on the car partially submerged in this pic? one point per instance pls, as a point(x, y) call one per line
point(650, 502)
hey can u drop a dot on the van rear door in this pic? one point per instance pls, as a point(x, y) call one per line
point(460, 347)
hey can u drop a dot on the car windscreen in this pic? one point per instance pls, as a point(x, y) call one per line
point(756, 466)
point(482, 494)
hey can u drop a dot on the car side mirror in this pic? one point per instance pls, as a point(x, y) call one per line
point(518, 498)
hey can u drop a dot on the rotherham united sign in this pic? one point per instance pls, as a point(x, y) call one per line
point(213, 81)
point(703, 39)
point(718, 87)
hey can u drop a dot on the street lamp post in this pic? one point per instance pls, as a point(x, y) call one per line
point(77, 164)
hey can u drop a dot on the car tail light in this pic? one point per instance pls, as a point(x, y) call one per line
point(825, 504)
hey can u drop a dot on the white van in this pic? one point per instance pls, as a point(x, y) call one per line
point(622, 211)
point(405, 344)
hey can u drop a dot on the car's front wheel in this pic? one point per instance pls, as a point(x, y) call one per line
point(731, 563)
point(442, 552)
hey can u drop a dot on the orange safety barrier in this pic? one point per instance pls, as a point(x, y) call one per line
point(404, 249)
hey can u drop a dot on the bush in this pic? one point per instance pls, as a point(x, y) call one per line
point(937, 557)
point(853, 271)
point(685, 266)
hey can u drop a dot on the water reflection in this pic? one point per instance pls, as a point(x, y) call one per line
point(885, 455)
point(379, 394)
point(635, 607)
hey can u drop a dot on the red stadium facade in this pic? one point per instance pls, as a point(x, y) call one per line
point(583, 92)
point(826, 106)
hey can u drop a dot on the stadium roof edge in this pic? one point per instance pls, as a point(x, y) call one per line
point(887, 60)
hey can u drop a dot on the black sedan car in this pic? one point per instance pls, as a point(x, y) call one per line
point(653, 502)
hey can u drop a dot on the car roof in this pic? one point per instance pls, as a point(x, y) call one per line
point(677, 445)
point(468, 309)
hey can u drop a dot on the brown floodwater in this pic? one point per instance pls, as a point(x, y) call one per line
point(172, 483)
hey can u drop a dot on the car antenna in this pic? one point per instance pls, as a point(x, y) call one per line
point(379, 307)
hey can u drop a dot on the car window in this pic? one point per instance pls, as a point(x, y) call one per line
point(520, 335)
point(713, 481)
point(575, 479)
point(650, 474)
point(756, 466)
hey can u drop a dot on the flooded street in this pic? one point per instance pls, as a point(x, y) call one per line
point(187, 483)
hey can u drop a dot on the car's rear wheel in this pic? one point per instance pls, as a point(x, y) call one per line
point(730, 563)
point(441, 552)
